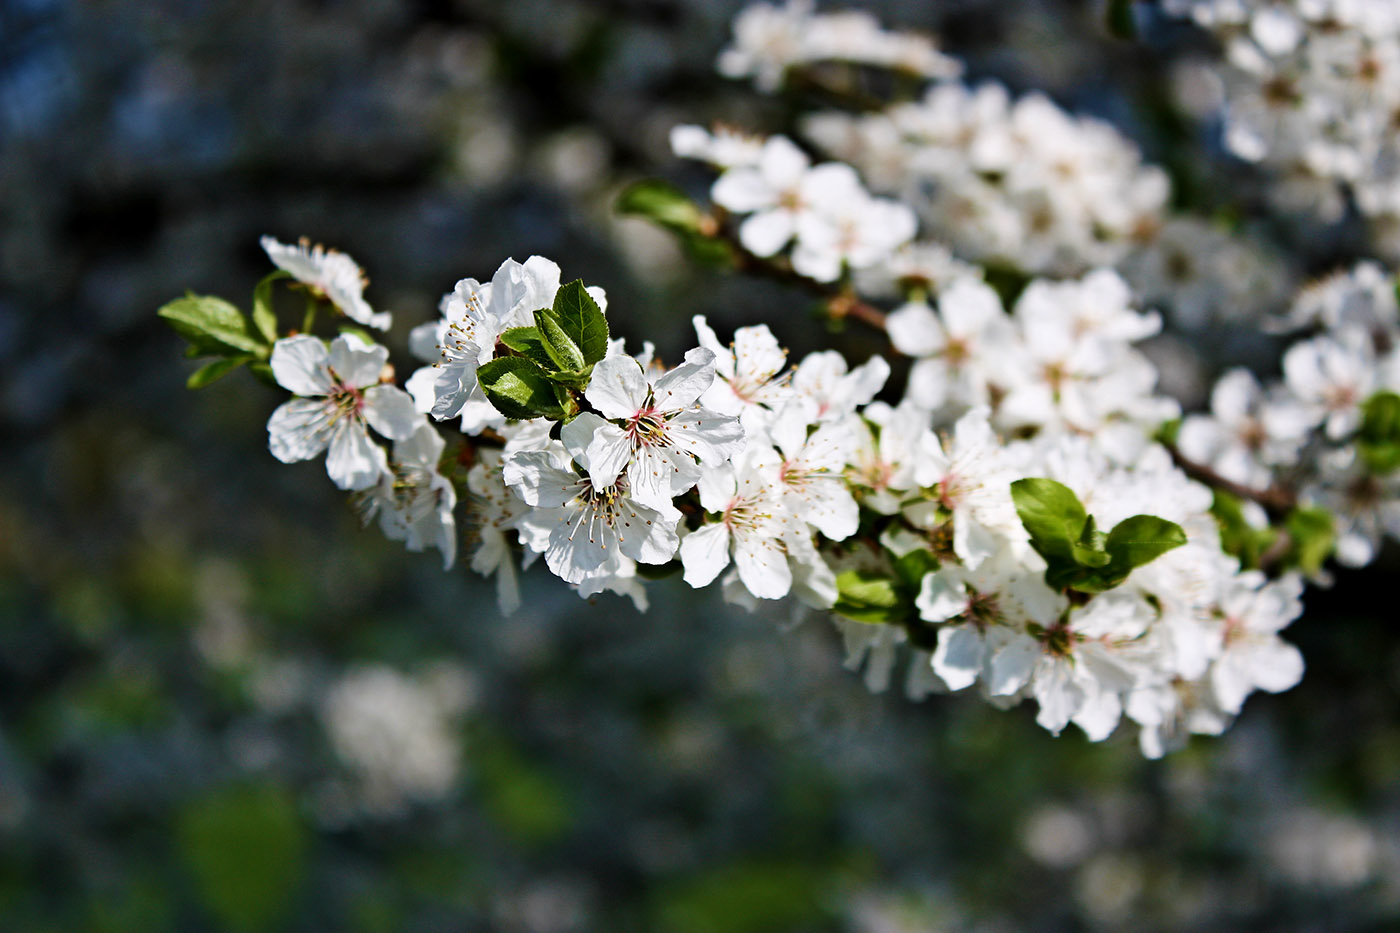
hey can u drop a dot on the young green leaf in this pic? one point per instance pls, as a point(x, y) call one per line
point(662, 203)
point(578, 316)
point(1379, 437)
point(563, 351)
point(1237, 536)
point(1314, 537)
point(869, 597)
point(519, 389)
point(1052, 515)
point(264, 316)
point(1139, 540)
point(211, 325)
point(211, 372)
point(528, 342)
point(913, 567)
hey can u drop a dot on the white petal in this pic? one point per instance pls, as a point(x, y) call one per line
point(959, 656)
point(354, 461)
point(537, 480)
point(299, 365)
point(1012, 665)
point(766, 233)
point(704, 553)
point(1059, 696)
point(708, 435)
point(680, 387)
point(299, 429)
point(356, 363)
point(763, 567)
point(645, 535)
point(1276, 665)
point(618, 388)
point(942, 596)
point(743, 190)
point(391, 412)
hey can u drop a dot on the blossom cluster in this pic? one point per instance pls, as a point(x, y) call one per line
point(1328, 427)
point(1311, 90)
point(958, 526)
point(769, 41)
point(1016, 182)
point(1026, 516)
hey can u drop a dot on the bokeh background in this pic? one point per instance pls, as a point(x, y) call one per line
point(225, 707)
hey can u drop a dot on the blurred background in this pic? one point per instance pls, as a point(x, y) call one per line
point(225, 707)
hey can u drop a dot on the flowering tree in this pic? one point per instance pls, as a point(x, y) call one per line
point(1027, 514)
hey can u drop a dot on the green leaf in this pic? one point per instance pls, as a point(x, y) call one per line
point(264, 316)
point(579, 317)
point(1056, 522)
point(913, 567)
point(358, 333)
point(212, 325)
point(245, 848)
point(1237, 536)
point(212, 372)
point(662, 203)
point(519, 389)
point(527, 341)
point(562, 349)
point(869, 597)
point(1314, 536)
point(1379, 438)
point(1140, 540)
point(573, 378)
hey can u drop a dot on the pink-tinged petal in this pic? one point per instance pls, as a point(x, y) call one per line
point(765, 233)
point(704, 553)
point(356, 363)
point(391, 412)
point(535, 478)
point(618, 389)
point(959, 657)
point(763, 566)
point(299, 365)
point(354, 461)
point(299, 429)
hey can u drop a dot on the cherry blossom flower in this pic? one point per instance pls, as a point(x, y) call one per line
point(340, 398)
point(330, 274)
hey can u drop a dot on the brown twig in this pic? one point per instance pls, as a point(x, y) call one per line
point(1277, 500)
